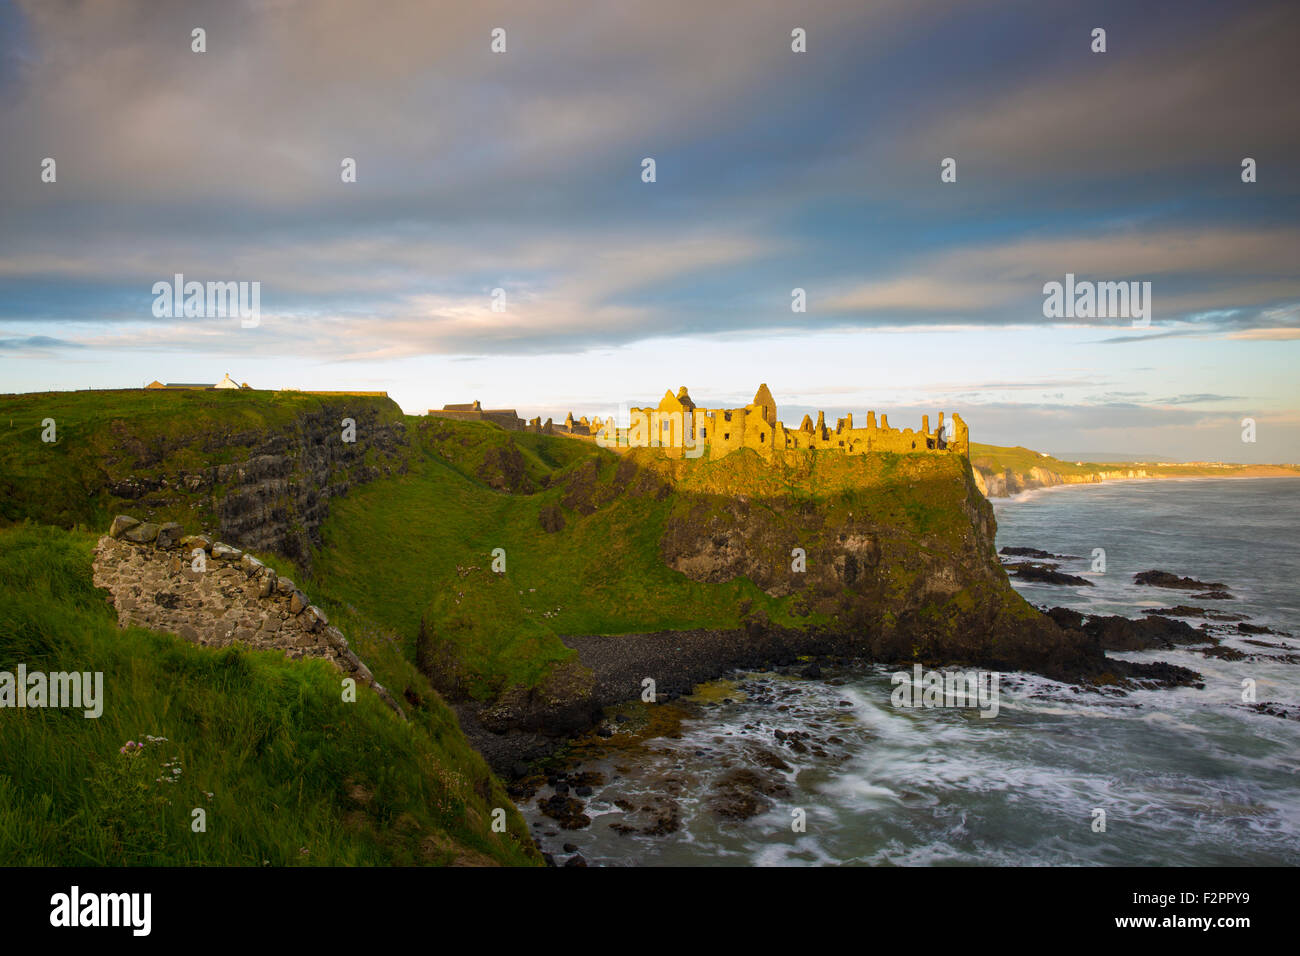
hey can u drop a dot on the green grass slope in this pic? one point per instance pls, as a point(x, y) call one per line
point(287, 773)
point(419, 547)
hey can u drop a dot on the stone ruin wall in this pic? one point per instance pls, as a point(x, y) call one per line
point(148, 570)
point(677, 422)
point(756, 426)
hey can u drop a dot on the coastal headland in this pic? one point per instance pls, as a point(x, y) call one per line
point(1004, 471)
point(530, 580)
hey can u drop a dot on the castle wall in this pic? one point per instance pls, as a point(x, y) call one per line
point(149, 572)
point(677, 424)
point(506, 418)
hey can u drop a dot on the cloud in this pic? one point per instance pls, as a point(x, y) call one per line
point(521, 171)
point(1194, 275)
point(1144, 108)
point(1198, 399)
point(33, 346)
point(1267, 335)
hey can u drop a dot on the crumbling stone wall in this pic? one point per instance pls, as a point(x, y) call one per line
point(677, 422)
point(150, 573)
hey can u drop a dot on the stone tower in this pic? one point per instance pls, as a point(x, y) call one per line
point(765, 403)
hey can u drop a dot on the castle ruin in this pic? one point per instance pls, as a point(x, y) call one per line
point(474, 411)
point(677, 423)
point(680, 427)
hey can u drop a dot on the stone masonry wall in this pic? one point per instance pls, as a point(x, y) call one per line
point(148, 569)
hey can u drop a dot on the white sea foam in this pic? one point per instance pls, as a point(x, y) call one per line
point(1185, 776)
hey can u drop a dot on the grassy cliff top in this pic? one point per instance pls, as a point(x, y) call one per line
point(105, 436)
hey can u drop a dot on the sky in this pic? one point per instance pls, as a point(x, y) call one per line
point(775, 170)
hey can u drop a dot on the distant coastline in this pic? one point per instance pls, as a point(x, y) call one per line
point(1006, 472)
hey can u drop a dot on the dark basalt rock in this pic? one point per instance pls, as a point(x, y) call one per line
point(1116, 633)
point(1046, 575)
point(1224, 653)
point(278, 497)
point(1277, 710)
point(503, 468)
point(1163, 579)
point(566, 811)
point(1028, 553)
point(743, 793)
point(664, 816)
point(1186, 610)
point(1160, 674)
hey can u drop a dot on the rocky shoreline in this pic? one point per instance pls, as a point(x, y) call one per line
point(591, 767)
point(518, 730)
point(513, 734)
point(1158, 628)
point(616, 770)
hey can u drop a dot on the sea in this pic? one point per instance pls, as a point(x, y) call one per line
point(1062, 775)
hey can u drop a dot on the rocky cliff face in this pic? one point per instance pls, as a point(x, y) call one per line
point(274, 496)
point(885, 560)
point(904, 571)
point(993, 484)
